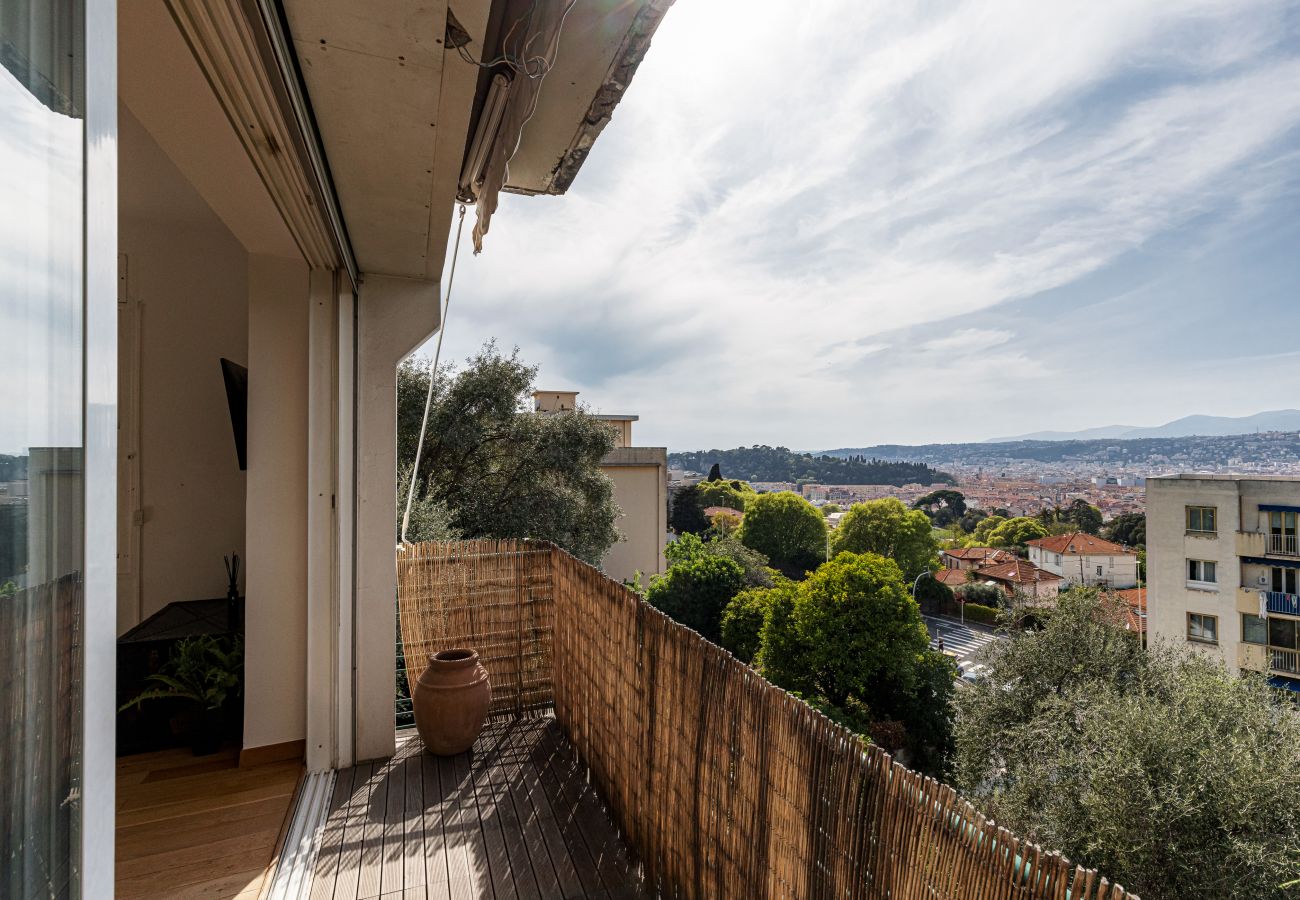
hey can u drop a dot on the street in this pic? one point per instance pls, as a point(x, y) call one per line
point(961, 642)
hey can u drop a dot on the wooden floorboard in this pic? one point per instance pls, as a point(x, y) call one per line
point(197, 827)
point(512, 819)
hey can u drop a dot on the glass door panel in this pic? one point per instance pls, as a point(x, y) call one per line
point(42, 308)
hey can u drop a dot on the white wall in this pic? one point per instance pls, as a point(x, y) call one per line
point(275, 668)
point(190, 276)
point(640, 477)
point(1169, 546)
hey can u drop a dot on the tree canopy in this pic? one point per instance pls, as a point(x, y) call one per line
point(888, 528)
point(1160, 768)
point(492, 468)
point(696, 589)
point(1013, 533)
point(850, 639)
point(1079, 515)
point(763, 463)
point(943, 506)
point(731, 494)
point(785, 528)
point(1129, 529)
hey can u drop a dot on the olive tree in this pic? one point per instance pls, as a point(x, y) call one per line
point(1160, 768)
point(493, 468)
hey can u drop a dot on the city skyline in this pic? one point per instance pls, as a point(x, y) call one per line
point(915, 227)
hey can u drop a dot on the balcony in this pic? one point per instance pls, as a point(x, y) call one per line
point(1283, 545)
point(627, 756)
point(1284, 661)
point(1283, 604)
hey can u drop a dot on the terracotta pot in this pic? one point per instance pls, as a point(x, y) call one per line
point(450, 700)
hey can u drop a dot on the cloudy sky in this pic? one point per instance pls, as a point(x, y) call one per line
point(845, 223)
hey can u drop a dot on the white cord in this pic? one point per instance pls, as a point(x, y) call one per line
point(433, 376)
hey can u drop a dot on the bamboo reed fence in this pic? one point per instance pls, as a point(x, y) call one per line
point(724, 784)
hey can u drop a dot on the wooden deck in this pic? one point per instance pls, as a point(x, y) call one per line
point(514, 817)
point(198, 826)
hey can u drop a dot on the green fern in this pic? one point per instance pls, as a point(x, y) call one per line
point(207, 670)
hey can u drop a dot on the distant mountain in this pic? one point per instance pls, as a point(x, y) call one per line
point(1188, 426)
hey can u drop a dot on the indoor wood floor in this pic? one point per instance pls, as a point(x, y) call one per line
point(198, 827)
point(513, 818)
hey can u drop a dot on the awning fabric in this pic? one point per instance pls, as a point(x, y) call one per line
point(1261, 561)
point(1277, 507)
point(1286, 684)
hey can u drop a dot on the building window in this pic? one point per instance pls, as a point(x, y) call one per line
point(1203, 628)
point(1282, 532)
point(1281, 633)
point(1201, 571)
point(1254, 630)
point(1284, 580)
point(1201, 520)
point(1058, 559)
point(1099, 571)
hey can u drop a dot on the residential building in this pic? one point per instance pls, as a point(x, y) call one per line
point(1021, 580)
point(967, 558)
point(1223, 564)
point(1085, 559)
point(640, 477)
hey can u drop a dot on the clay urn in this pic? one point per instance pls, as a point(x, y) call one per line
point(451, 700)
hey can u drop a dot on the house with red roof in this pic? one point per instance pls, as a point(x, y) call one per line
point(1081, 558)
point(965, 558)
point(1022, 580)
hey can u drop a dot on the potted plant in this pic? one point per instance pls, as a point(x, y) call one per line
point(206, 671)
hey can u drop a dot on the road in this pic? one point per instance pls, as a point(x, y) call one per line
point(960, 641)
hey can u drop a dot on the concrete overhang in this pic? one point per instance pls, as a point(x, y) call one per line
point(600, 47)
point(394, 107)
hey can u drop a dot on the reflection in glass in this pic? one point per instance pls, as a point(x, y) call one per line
point(41, 392)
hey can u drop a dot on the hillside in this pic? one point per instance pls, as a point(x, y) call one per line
point(760, 463)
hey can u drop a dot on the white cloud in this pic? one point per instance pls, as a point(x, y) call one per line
point(783, 203)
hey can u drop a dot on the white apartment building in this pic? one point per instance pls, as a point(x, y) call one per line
point(1223, 564)
point(1085, 559)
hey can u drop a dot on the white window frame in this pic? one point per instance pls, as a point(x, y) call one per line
point(1196, 572)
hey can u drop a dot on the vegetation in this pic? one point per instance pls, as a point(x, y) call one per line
point(493, 469)
point(997, 531)
point(1078, 516)
point(1159, 768)
point(787, 529)
point(731, 494)
point(686, 511)
point(762, 463)
point(696, 589)
point(888, 528)
point(207, 670)
point(850, 639)
point(1129, 529)
point(743, 619)
point(944, 507)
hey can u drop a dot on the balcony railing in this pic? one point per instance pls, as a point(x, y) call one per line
point(1282, 660)
point(1284, 604)
point(1283, 545)
point(722, 783)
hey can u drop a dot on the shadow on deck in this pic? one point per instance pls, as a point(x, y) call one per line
point(513, 817)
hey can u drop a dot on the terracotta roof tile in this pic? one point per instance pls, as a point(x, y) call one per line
point(1017, 572)
point(1079, 544)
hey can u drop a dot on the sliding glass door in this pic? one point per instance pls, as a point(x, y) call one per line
point(42, 402)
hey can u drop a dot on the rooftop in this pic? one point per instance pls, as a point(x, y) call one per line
point(1079, 543)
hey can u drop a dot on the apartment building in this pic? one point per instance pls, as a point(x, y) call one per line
point(640, 477)
point(1085, 559)
point(1223, 564)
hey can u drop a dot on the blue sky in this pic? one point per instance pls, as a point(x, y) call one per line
point(882, 222)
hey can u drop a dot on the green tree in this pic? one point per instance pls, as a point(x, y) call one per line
point(1129, 529)
point(1015, 532)
point(731, 494)
point(1084, 516)
point(944, 507)
point(828, 508)
point(745, 615)
point(856, 628)
point(980, 536)
point(686, 515)
point(757, 573)
point(887, 527)
point(695, 591)
point(785, 528)
point(1159, 767)
point(850, 640)
point(499, 470)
